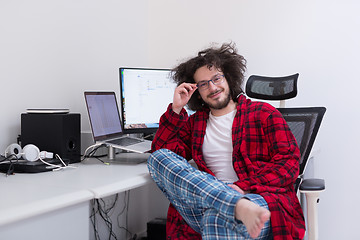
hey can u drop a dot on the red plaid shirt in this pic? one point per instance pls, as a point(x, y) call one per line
point(265, 159)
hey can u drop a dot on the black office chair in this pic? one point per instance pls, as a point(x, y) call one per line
point(304, 123)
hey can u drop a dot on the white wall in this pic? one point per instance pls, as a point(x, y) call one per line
point(51, 51)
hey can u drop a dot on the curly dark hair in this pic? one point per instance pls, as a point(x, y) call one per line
point(226, 59)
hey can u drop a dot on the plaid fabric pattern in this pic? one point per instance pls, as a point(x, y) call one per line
point(206, 204)
point(265, 159)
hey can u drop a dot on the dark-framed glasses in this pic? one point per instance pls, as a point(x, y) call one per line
point(216, 80)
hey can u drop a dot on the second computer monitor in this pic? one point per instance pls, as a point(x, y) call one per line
point(145, 95)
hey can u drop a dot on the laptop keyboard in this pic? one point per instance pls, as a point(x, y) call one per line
point(125, 141)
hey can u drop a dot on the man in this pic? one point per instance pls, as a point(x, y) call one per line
point(248, 159)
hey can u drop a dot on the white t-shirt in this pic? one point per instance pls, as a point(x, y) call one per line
point(217, 147)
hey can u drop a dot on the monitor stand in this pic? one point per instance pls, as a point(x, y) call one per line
point(126, 157)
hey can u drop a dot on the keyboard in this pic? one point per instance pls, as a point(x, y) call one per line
point(125, 141)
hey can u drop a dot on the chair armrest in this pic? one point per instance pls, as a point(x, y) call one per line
point(312, 184)
point(312, 188)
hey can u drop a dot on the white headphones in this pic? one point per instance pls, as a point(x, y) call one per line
point(30, 152)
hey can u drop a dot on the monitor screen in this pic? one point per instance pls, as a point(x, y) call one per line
point(145, 96)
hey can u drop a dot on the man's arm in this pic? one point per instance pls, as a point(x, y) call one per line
point(182, 95)
point(174, 131)
point(282, 169)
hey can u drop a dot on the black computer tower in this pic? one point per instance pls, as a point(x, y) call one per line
point(156, 229)
point(53, 132)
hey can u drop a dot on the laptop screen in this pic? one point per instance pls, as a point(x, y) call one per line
point(103, 115)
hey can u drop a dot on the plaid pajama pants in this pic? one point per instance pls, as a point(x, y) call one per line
point(205, 203)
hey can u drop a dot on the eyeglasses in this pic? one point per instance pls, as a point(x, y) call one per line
point(216, 80)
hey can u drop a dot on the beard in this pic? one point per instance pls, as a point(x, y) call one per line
point(219, 104)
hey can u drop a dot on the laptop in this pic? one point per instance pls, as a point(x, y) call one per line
point(106, 124)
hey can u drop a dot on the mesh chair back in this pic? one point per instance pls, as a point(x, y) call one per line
point(304, 123)
point(272, 88)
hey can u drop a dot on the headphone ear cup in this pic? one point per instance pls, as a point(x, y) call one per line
point(31, 152)
point(13, 149)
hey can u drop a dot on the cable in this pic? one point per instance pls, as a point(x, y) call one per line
point(100, 209)
point(149, 136)
point(10, 159)
point(105, 214)
point(57, 167)
point(93, 219)
point(126, 206)
point(94, 147)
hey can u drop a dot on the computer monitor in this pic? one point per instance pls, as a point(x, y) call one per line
point(145, 96)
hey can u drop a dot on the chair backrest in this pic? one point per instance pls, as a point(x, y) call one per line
point(304, 123)
point(272, 88)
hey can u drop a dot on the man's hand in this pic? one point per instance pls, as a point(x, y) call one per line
point(236, 187)
point(182, 95)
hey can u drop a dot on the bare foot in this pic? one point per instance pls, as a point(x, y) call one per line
point(253, 216)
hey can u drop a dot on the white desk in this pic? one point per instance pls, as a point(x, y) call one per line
point(92, 175)
point(63, 195)
point(29, 211)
